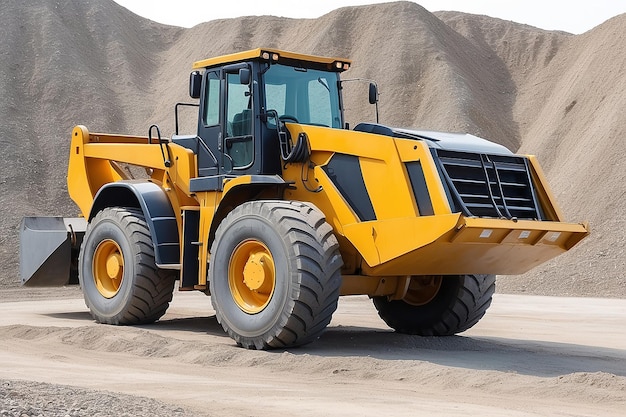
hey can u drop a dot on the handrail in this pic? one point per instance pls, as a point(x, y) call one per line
point(176, 113)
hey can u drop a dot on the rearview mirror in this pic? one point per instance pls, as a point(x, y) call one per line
point(373, 93)
point(195, 84)
point(244, 76)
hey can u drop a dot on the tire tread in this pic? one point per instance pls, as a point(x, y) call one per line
point(152, 288)
point(317, 261)
point(459, 312)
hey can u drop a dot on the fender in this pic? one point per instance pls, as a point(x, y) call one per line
point(157, 210)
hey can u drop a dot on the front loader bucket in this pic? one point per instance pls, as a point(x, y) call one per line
point(49, 250)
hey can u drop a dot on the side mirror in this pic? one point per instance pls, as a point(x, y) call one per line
point(244, 76)
point(195, 84)
point(373, 93)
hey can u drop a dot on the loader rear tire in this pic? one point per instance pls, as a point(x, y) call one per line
point(120, 282)
point(274, 274)
point(454, 305)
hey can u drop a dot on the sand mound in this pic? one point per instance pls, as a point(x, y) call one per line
point(548, 93)
point(569, 101)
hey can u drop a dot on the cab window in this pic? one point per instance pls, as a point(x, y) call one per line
point(212, 100)
point(239, 144)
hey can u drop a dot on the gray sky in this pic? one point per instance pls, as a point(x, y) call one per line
point(574, 16)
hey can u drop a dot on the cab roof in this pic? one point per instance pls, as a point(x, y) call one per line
point(275, 55)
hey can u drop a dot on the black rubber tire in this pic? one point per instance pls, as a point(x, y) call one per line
point(145, 291)
point(460, 303)
point(307, 262)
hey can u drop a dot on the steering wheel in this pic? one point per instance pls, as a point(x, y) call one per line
point(287, 117)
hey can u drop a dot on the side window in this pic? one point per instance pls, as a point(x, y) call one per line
point(212, 100)
point(239, 121)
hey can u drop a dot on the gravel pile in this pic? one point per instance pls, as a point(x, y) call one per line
point(22, 398)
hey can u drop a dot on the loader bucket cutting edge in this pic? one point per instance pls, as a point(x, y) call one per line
point(49, 250)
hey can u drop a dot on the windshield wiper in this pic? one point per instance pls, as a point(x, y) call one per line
point(323, 82)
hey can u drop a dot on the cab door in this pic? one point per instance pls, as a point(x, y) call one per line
point(210, 125)
point(226, 126)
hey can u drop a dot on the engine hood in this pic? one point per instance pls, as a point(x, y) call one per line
point(461, 142)
point(457, 141)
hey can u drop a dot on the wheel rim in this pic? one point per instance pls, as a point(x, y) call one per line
point(422, 290)
point(108, 268)
point(251, 276)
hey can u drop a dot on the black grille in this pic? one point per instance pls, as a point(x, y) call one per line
point(481, 185)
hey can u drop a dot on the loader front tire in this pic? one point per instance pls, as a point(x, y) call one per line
point(274, 274)
point(439, 306)
point(120, 282)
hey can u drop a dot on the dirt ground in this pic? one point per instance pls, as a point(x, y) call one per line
point(529, 356)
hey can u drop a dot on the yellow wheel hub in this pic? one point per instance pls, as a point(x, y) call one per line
point(108, 268)
point(251, 276)
point(422, 290)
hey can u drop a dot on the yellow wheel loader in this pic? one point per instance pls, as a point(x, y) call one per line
point(275, 208)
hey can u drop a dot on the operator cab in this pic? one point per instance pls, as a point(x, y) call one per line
point(246, 98)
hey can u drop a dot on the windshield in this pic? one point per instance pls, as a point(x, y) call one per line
point(303, 95)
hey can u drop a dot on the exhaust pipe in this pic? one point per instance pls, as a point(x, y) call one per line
point(49, 248)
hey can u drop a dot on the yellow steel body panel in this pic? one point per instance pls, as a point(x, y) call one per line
point(400, 241)
point(85, 176)
point(479, 246)
point(546, 197)
point(380, 241)
point(387, 187)
point(409, 151)
point(382, 169)
point(143, 155)
point(95, 157)
point(209, 201)
point(183, 169)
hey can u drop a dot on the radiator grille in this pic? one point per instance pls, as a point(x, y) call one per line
point(495, 186)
